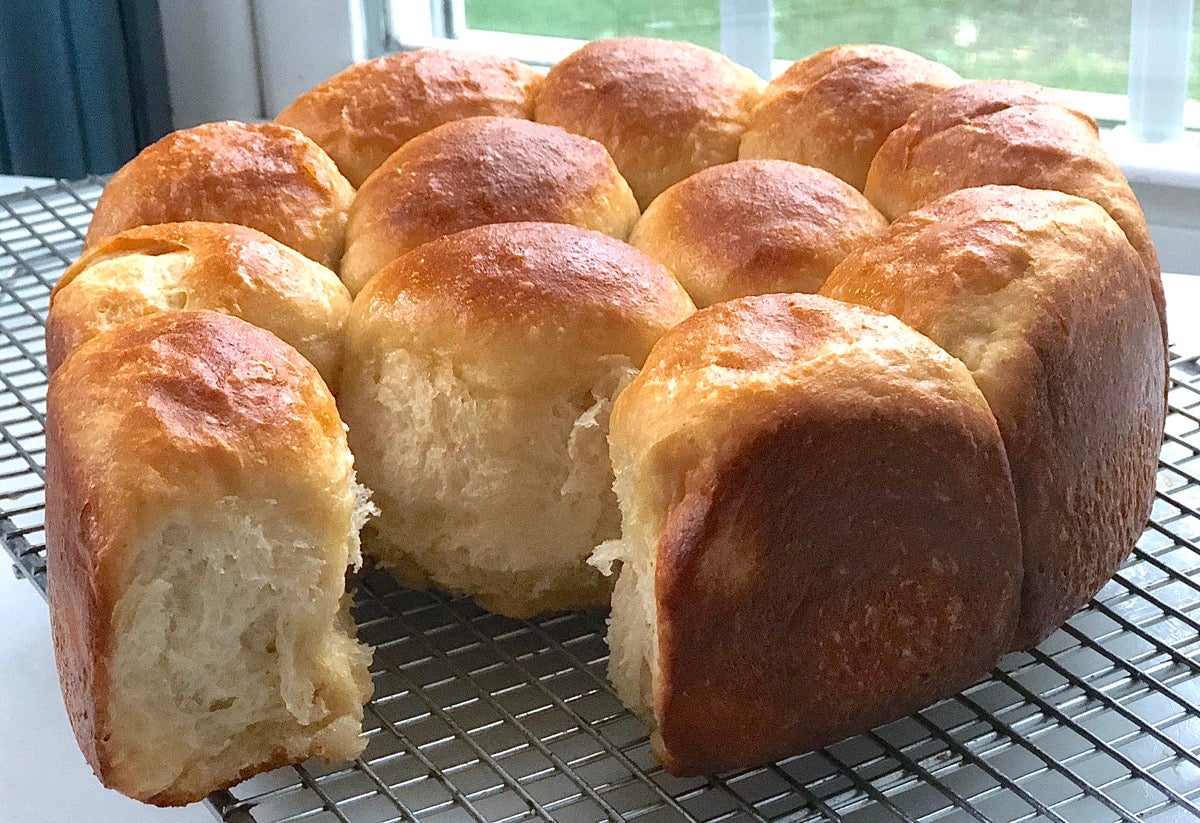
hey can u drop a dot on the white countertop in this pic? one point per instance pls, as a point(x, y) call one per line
point(44, 778)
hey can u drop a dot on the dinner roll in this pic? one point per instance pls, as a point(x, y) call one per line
point(363, 114)
point(1007, 133)
point(260, 175)
point(201, 511)
point(753, 227)
point(834, 109)
point(663, 109)
point(477, 171)
point(1041, 296)
point(218, 266)
point(480, 371)
point(818, 532)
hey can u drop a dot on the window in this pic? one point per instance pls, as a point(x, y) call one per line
point(1079, 45)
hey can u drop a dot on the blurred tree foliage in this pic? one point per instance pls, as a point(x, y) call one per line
point(1075, 44)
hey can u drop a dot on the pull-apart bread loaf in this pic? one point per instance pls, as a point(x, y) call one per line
point(833, 110)
point(755, 227)
point(217, 266)
point(268, 177)
point(1041, 296)
point(478, 171)
point(363, 114)
point(201, 512)
point(480, 372)
point(663, 109)
point(818, 531)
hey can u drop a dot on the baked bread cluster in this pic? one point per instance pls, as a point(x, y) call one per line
point(912, 426)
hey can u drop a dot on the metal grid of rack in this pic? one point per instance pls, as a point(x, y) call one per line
point(477, 717)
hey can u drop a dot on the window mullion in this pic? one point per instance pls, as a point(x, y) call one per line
point(748, 33)
point(1160, 39)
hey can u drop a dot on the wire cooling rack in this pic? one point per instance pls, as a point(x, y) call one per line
point(476, 717)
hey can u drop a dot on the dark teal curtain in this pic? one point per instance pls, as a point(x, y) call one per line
point(83, 85)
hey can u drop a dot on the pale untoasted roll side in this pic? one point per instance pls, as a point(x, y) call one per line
point(1043, 298)
point(833, 110)
point(818, 531)
point(663, 109)
point(1003, 132)
point(480, 372)
point(217, 266)
point(478, 171)
point(268, 177)
point(201, 512)
point(754, 227)
point(364, 113)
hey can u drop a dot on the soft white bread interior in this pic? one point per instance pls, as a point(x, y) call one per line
point(364, 113)
point(480, 372)
point(755, 227)
point(664, 109)
point(262, 175)
point(1043, 298)
point(819, 532)
point(201, 512)
point(833, 110)
point(218, 266)
point(477, 171)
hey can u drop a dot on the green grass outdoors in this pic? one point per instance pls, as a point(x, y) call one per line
point(1074, 44)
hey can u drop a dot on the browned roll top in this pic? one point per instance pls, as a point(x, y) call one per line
point(364, 113)
point(1003, 132)
point(754, 227)
point(663, 109)
point(216, 266)
point(478, 171)
point(833, 110)
point(268, 177)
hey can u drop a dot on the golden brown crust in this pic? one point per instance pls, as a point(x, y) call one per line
point(840, 544)
point(173, 409)
point(663, 109)
point(268, 177)
point(1042, 296)
point(754, 227)
point(1003, 132)
point(217, 266)
point(363, 114)
point(546, 282)
point(478, 171)
point(834, 109)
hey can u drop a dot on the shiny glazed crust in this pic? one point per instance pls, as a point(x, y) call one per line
point(839, 543)
point(833, 110)
point(539, 283)
point(363, 114)
point(166, 411)
point(218, 266)
point(268, 177)
point(1002, 132)
point(754, 227)
point(663, 109)
point(1043, 298)
point(478, 171)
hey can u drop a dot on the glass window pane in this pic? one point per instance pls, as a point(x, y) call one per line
point(1073, 44)
point(694, 20)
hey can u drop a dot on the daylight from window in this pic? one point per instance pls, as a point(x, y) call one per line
point(1071, 44)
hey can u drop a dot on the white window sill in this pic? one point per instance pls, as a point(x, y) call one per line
point(1166, 179)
